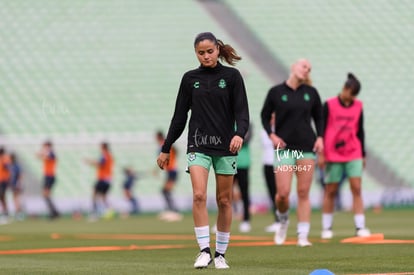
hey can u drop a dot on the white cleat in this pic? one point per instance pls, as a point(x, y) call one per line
point(245, 227)
point(273, 227)
point(327, 234)
point(363, 232)
point(172, 216)
point(203, 260)
point(281, 232)
point(220, 263)
point(4, 220)
point(303, 242)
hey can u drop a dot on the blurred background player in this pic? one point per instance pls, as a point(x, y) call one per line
point(16, 186)
point(104, 168)
point(344, 153)
point(269, 171)
point(242, 180)
point(295, 104)
point(170, 181)
point(320, 177)
point(129, 182)
point(48, 156)
point(4, 182)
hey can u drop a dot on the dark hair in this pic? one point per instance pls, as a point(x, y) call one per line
point(353, 84)
point(159, 134)
point(227, 52)
point(105, 145)
point(48, 143)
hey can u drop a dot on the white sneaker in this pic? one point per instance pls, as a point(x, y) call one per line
point(164, 215)
point(203, 260)
point(363, 232)
point(220, 262)
point(303, 242)
point(326, 234)
point(245, 227)
point(4, 219)
point(280, 233)
point(173, 217)
point(273, 227)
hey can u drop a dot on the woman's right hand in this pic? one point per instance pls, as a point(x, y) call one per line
point(277, 141)
point(163, 160)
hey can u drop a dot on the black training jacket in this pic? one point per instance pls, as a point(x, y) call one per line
point(219, 110)
point(294, 110)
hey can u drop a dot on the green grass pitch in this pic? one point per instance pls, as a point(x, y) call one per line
point(145, 245)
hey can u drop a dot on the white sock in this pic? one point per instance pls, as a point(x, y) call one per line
point(359, 220)
point(327, 221)
point(203, 236)
point(222, 241)
point(303, 229)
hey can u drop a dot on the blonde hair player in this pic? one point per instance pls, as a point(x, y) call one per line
point(295, 104)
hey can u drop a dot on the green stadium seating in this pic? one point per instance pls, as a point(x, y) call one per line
point(79, 72)
point(369, 38)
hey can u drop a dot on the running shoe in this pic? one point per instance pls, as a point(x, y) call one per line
point(220, 263)
point(363, 232)
point(203, 260)
point(327, 234)
point(281, 232)
point(303, 242)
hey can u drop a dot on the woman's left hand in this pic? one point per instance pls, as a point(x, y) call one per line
point(318, 146)
point(236, 144)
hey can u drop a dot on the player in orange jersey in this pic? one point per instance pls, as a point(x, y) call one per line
point(171, 178)
point(48, 156)
point(4, 182)
point(16, 185)
point(104, 168)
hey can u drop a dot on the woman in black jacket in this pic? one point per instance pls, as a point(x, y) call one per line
point(219, 120)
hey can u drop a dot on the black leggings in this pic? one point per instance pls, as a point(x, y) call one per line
point(242, 178)
point(271, 185)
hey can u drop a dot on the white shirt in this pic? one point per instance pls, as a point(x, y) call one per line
point(268, 148)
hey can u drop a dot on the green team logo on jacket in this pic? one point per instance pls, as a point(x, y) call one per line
point(222, 83)
point(306, 97)
point(284, 98)
point(196, 84)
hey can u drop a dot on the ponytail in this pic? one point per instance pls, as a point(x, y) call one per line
point(353, 84)
point(226, 52)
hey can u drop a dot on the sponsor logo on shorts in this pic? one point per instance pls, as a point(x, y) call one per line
point(191, 156)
